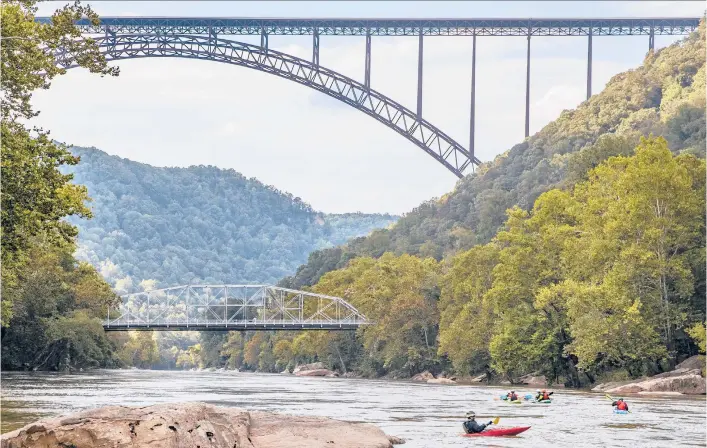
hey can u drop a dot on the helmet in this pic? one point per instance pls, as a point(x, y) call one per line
point(621, 399)
point(513, 391)
point(538, 391)
point(470, 414)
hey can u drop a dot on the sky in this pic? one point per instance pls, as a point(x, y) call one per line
point(179, 112)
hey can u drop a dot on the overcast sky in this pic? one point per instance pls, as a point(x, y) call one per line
point(179, 112)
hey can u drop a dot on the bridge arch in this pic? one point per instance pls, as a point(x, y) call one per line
point(405, 122)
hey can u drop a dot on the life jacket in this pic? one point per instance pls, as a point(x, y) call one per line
point(513, 397)
point(546, 396)
point(622, 406)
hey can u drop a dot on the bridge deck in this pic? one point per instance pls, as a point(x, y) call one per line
point(235, 326)
point(393, 27)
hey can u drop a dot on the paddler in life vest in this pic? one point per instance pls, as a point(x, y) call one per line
point(471, 426)
point(511, 396)
point(542, 395)
point(620, 405)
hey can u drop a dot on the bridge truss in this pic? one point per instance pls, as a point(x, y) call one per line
point(232, 307)
point(405, 122)
point(198, 38)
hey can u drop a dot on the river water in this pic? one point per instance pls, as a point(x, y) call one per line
point(426, 415)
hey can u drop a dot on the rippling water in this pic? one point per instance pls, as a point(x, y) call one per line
point(426, 415)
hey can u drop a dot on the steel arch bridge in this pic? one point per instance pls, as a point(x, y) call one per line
point(232, 307)
point(196, 38)
point(407, 123)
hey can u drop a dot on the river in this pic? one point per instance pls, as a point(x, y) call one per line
point(426, 415)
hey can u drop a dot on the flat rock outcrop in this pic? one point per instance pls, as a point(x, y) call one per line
point(685, 379)
point(178, 425)
point(441, 381)
point(314, 369)
point(424, 376)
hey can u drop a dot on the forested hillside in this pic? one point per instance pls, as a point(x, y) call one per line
point(201, 223)
point(578, 254)
point(665, 96)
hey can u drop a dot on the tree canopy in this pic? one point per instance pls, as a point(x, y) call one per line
point(51, 304)
point(664, 96)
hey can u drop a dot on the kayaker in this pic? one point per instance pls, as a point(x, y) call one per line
point(620, 405)
point(511, 396)
point(542, 395)
point(471, 426)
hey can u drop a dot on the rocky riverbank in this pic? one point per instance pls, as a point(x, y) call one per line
point(687, 379)
point(192, 425)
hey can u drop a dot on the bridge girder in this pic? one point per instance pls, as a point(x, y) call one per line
point(393, 27)
point(233, 307)
point(405, 122)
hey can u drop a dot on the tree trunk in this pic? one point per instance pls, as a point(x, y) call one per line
point(343, 366)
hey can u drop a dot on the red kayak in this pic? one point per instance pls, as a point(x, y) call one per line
point(499, 432)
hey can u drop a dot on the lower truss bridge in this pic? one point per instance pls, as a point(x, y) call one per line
point(232, 307)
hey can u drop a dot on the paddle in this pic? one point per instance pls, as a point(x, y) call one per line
point(495, 420)
point(612, 399)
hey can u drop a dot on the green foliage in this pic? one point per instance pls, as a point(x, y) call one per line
point(665, 96)
point(57, 308)
point(28, 47)
point(179, 225)
point(602, 277)
point(699, 335)
point(140, 350)
point(51, 304)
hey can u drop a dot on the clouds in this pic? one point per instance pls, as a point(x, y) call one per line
point(177, 112)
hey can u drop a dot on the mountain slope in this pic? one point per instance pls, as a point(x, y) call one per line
point(665, 96)
point(177, 225)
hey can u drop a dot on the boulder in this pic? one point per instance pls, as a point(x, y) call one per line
point(193, 424)
point(312, 366)
point(396, 440)
point(532, 380)
point(317, 372)
point(441, 381)
point(689, 383)
point(424, 376)
point(696, 362)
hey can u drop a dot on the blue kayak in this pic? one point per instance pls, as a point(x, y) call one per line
point(618, 411)
point(525, 397)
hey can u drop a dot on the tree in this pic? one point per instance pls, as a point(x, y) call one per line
point(642, 227)
point(466, 317)
point(35, 195)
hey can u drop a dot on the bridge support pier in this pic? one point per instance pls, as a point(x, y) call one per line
point(315, 47)
point(589, 66)
point(264, 40)
point(472, 115)
point(367, 77)
point(419, 77)
point(527, 90)
point(651, 40)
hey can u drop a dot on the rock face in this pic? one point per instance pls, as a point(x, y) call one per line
point(312, 366)
point(690, 383)
point(314, 369)
point(424, 376)
point(192, 425)
point(696, 362)
point(317, 372)
point(532, 380)
point(685, 380)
